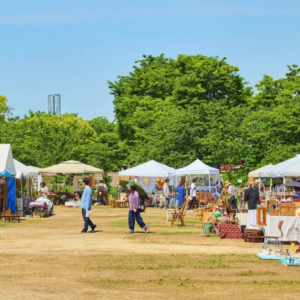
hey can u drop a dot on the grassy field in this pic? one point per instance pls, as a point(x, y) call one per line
point(50, 259)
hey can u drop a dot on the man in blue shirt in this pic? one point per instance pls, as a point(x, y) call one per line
point(86, 205)
point(180, 194)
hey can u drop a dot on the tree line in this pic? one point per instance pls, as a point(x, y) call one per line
point(173, 111)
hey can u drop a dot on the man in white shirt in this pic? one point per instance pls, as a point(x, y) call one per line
point(166, 193)
point(193, 194)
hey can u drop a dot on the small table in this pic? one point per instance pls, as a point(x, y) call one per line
point(10, 217)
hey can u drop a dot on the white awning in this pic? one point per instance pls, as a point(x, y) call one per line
point(282, 169)
point(197, 167)
point(151, 168)
point(7, 166)
point(255, 173)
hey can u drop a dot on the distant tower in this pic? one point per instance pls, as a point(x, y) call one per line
point(54, 104)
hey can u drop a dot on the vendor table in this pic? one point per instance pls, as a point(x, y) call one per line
point(229, 231)
point(290, 226)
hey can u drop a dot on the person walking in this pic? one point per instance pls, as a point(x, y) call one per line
point(193, 194)
point(180, 194)
point(86, 206)
point(134, 214)
point(166, 193)
point(102, 194)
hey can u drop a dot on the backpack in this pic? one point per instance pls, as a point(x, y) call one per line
point(142, 203)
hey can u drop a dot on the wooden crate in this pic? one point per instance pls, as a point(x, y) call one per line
point(287, 209)
point(253, 236)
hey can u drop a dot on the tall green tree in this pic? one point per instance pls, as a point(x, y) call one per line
point(43, 140)
point(170, 104)
point(4, 108)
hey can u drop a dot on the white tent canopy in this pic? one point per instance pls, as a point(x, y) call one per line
point(255, 173)
point(282, 169)
point(21, 169)
point(70, 167)
point(197, 167)
point(7, 166)
point(151, 169)
point(293, 171)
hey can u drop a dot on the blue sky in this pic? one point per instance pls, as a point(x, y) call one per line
point(73, 47)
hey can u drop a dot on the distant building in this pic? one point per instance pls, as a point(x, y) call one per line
point(54, 104)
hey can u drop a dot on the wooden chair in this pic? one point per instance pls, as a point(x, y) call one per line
point(179, 216)
point(274, 240)
point(113, 202)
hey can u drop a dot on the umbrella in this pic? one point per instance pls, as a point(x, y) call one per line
point(139, 188)
point(293, 183)
point(72, 166)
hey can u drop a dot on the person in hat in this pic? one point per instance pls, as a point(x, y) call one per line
point(278, 186)
point(263, 185)
point(134, 214)
point(251, 196)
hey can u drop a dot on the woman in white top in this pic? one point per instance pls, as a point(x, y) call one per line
point(278, 187)
point(43, 190)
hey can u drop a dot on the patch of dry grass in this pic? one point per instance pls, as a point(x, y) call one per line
point(50, 259)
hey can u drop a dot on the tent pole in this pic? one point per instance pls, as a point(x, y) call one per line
point(271, 185)
point(22, 191)
point(259, 183)
point(4, 199)
point(284, 186)
point(209, 181)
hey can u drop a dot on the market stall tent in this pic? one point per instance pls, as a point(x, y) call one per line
point(281, 169)
point(196, 167)
point(255, 173)
point(72, 167)
point(151, 168)
point(293, 171)
point(7, 166)
point(7, 170)
point(150, 171)
point(22, 170)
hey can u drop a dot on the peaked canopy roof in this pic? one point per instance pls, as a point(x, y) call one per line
point(70, 167)
point(151, 168)
point(197, 167)
point(283, 168)
point(255, 173)
point(21, 169)
point(7, 166)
